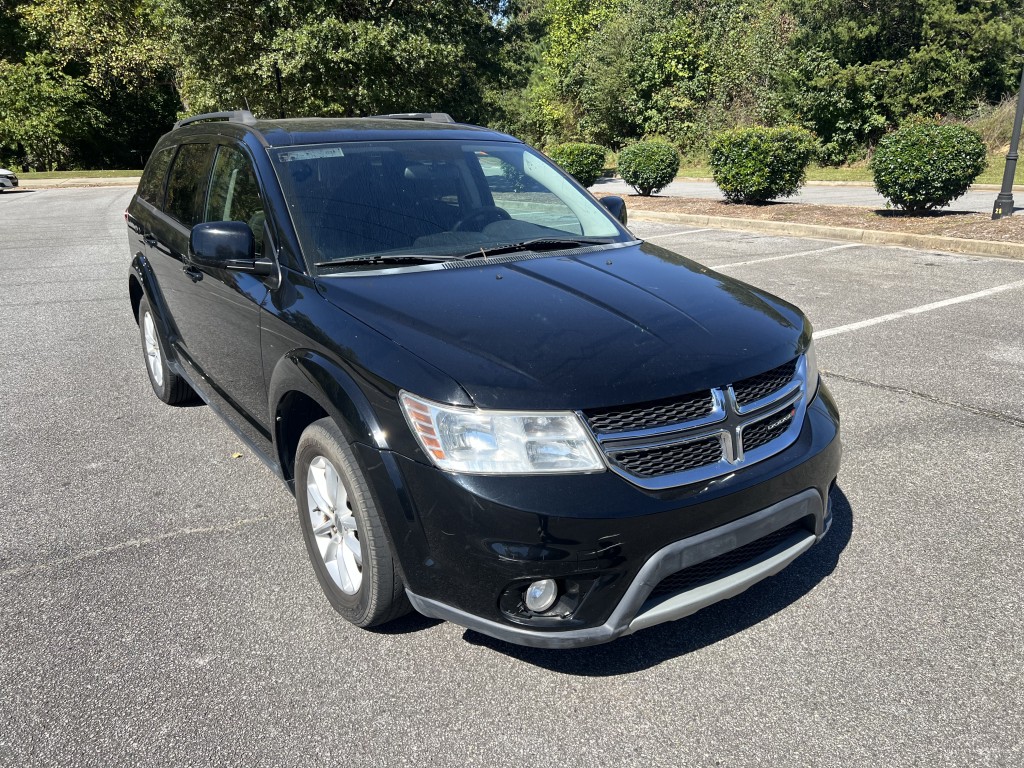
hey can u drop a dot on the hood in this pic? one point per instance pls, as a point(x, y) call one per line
point(598, 329)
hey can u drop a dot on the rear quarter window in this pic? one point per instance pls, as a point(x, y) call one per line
point(151, 188)
point(186, 186)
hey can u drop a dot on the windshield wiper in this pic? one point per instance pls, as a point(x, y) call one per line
point(537, 244)
point(386, 258)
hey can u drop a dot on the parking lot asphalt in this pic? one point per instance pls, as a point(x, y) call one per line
point(157, 607)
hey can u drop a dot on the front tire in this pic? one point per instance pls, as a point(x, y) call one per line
point(168, 386)
point(342, 529)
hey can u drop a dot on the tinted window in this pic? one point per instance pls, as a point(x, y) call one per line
point(523, 197)
point(235, 193)
point(187, 182)
point(151, 188)
point(430, 197)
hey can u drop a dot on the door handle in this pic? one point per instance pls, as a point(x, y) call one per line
point(148, 239)
point(193, 274)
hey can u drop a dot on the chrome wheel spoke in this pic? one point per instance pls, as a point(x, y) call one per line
point(335, 528)
point(354, 548)
point(152, 349)
point(330, 552)
point(325, 527)
point(316, 488)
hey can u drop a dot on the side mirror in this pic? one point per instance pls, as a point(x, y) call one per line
point(617, 207)
point(226, 245)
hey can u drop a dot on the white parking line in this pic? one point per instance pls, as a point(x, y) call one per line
point(917, 310)
point(788, 256)
point(676, 234)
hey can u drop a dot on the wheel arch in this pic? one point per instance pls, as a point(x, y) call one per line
point(135, 294)
point(307, 386)
point(142, 284)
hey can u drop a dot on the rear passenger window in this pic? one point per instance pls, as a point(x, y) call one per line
point(187, 182)
point(151, 188)
point(235, 193)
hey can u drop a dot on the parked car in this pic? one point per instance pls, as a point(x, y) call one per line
point(492, 402)
point(8, 179)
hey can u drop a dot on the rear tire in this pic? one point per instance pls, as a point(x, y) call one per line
point(342, 529)
point(168, 386)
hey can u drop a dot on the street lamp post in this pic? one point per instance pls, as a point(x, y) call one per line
point(1004, 201)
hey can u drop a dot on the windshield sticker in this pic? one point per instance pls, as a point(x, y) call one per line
point(310, 154)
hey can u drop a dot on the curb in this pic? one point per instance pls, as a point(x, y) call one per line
point(849, 234)
point(871, 184)
point(114, 181)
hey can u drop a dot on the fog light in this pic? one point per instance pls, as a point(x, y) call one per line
point(541, 595)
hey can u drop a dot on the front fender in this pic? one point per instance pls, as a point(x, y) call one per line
point(335, 390)
point(332, 388)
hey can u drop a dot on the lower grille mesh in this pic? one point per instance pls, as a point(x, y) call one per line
point(716, 567)
point(659, 414)
point(753, 389)
point(667, 459)
point(764, 431)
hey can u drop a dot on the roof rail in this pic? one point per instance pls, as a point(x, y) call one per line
point(433, 117)
point(238, 116)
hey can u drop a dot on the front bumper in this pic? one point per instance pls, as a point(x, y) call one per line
point(463, 542)
point(637, 610)
point(8, 182)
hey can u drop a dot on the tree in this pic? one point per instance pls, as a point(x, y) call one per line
point(336, 57)
point(43, 112)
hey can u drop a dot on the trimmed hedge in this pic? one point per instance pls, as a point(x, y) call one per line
point(755, 165)
point(648, 166)
point(926, 164)
point(584, 162)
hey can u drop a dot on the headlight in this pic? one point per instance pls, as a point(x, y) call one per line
point(500, 442)
point(811, 362)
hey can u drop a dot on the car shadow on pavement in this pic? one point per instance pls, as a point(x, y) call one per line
point(651, 647)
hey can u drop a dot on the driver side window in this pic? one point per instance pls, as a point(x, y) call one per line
point(235, 193)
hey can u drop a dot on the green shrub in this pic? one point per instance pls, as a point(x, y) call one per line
point(926, 164)
point(648, 166)
point(584, 162)
point(754, 165)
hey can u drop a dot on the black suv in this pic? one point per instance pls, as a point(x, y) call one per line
point(491, 401)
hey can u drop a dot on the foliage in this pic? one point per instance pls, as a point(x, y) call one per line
point(754, 165)
point(82, 83)
point(584, 162)
point(861, 68)
point(340, 57)
point(135, 64)
point(614, 71)
point(609, 72)
point(43, 111)
point(648, 166)
point(995, 123)
point(926, 164)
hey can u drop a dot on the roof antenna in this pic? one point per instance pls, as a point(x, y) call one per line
point(246, 104)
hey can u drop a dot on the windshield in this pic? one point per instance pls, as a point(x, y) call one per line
point(354, 200)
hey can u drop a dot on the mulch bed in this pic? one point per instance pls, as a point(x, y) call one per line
point(947, 223)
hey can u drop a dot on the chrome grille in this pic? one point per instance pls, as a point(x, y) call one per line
point(651, 415)
point(703, 435)
point(668, 459)
point(764, 431)
point(758, 387)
